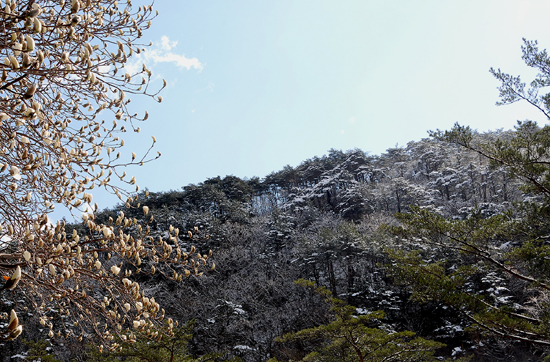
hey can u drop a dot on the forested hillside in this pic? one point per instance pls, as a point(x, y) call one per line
point(326, 220)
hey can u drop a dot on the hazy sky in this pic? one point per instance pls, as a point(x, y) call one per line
point(256, 85)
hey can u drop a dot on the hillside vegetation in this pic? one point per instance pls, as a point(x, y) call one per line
point(329, 220)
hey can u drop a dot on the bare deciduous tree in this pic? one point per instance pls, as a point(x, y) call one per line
point(64, 97)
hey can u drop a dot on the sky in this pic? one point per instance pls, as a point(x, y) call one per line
point(255, 85)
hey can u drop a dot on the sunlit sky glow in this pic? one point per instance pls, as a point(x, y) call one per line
point(256, 85)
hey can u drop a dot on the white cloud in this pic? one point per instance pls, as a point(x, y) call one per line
point(166, 44)
point(352, 120)
point(169, 57)
point(161, 52)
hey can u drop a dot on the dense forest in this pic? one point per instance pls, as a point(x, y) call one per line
point(332, 220)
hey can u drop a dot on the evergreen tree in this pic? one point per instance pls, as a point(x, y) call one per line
point(493, 267)
point(352, 337)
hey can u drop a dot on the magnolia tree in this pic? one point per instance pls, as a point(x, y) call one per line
point(64, 101)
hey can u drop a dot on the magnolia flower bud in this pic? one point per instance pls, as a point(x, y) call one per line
point(14, 171)
point(26, 60)
point(17, 47)
point(40, 56)
point(115, 270)
point(75, 6)
point(14, 321)
point(30, 43)
point(37, 26)
point(14, 62)
point(30, 91)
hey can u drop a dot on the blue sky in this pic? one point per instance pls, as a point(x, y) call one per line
point(256, 85)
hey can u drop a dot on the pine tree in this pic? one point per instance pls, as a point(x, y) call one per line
point(495, 268)
point(351, 337)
